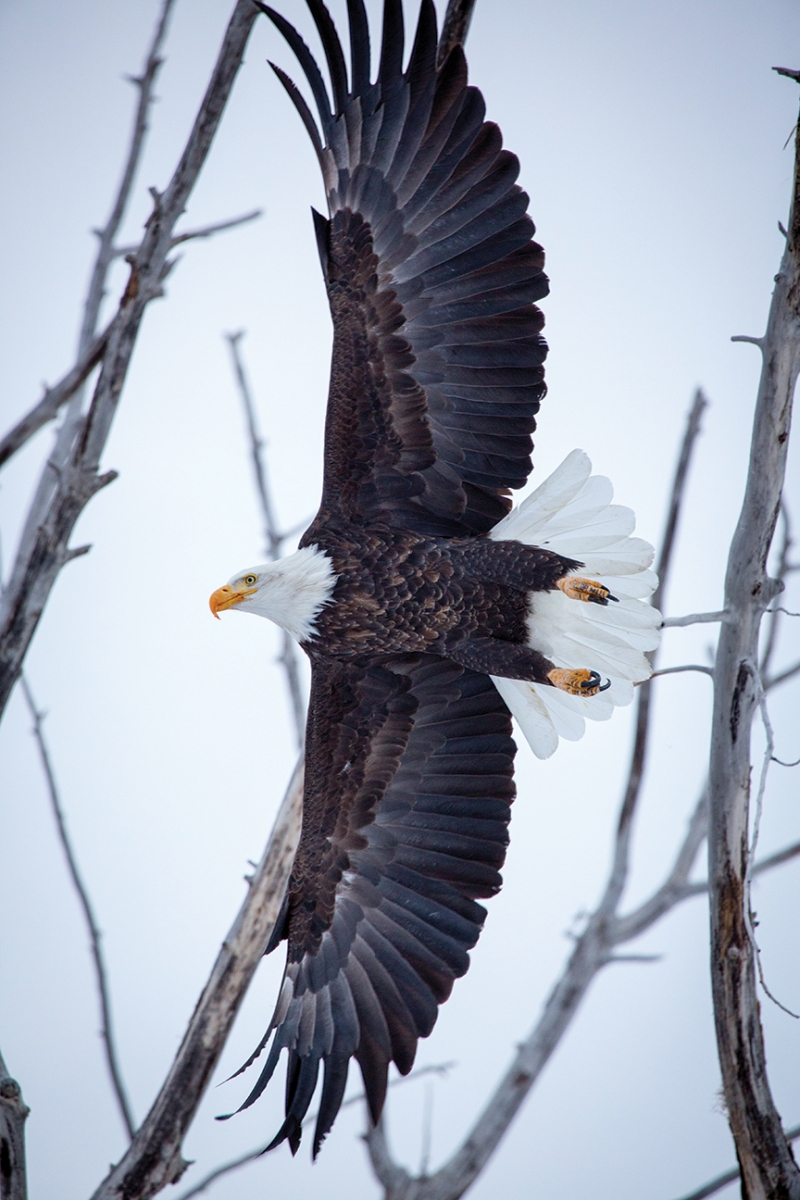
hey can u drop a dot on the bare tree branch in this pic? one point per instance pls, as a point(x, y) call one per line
point(13, 1111)
point(619, 871)
point(203, 232)
point(681, 670)
point(95, 936)
point(273, 539)
point(721, 1181)
point(675, 887)
point(70, 426)
point(768, 1167)
point(154, 1157)
point(225, 1169)
point(77, 480)
point(693, 619)
point(782, 677)
point(775, 611)
point(52, 400)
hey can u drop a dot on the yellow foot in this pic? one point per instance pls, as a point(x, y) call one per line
point(577, 683)
point(577, 588)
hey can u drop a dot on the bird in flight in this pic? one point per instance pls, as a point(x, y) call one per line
point(429, 610)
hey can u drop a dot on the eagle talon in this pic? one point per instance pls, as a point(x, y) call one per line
point(577, 588)
point(577, 683)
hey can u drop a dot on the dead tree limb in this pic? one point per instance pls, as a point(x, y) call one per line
point(67, 434)
point(236, 1164)
point(54, 397)
point(769, 1171)
point(13, 1112)
point(154, 1157)
point(274, 539)
point(95, 935)
point(77, 479)
point(721, 1181)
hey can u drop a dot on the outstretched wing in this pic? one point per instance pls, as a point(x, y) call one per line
point(405, 823)
point(431, 273)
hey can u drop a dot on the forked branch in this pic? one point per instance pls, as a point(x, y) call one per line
point(154, 1157)
point(274, 539)
point(44, 548)
point(95, 935)
point(768, 1168)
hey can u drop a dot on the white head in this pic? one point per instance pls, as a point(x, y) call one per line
point(290, 592)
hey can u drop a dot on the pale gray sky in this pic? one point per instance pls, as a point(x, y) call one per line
point(651, 139)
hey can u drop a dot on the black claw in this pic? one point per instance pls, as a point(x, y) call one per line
point(591, 682)
point(607, 683)
point(600, 599)
point(614, 598)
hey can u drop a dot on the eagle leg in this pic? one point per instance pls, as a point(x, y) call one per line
point(509, 660)
point(577, 683)
point(577, 588)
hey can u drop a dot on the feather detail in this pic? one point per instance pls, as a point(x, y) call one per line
point(572, 514)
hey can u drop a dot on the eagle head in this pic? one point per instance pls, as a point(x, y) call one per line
point(289, 592)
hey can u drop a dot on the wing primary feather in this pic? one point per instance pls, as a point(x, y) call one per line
point(392, 42)
point(308, 64)
point(298, 100)
point(333, 52)
point(279, 929)
point(333, 1087)
point(359, 46)
point(322, 231)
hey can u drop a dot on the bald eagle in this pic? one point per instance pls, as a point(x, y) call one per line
point(430, 612)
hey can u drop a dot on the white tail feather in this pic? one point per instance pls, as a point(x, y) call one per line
point(572, 514)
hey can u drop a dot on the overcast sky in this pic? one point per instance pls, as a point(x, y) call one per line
point(651, 138)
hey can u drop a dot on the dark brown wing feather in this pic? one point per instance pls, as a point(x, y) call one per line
point(406, 809)
point(432, 275)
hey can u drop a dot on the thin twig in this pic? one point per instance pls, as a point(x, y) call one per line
point(782, 677)
point(686, 667)
point(53, 471)
point(225, 1168)
point(721, 1181)
point(154, 1157)
point(52, 400)
point(95, 935)
point(43, 550)
point(619, 870)
point(273, 539)
point(204, 232)
point(693, 619)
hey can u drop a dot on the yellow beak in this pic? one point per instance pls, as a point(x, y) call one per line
point(226, 597)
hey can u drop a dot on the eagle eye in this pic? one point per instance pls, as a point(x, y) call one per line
point(250, 580)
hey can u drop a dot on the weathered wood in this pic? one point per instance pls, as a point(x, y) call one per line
point(154, 1157)
point(46, 552)
point(13, 1112)
point(768, 1168)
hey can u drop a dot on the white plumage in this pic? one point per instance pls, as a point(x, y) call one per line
point(291, 592)
point(572, 513)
